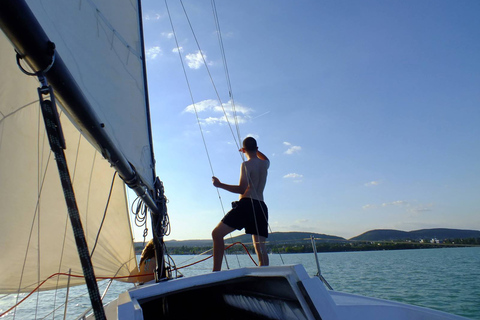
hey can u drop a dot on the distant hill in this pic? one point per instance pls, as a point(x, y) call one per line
point(439, 233)
point(381, 235)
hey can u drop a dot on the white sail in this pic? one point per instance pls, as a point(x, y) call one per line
point(102, 51)
point(99, 41)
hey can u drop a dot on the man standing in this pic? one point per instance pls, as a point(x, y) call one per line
point(250, 212)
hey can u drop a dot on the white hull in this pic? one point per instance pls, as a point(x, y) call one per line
point(286, 292)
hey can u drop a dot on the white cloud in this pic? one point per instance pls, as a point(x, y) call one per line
point(292, 149)
point(178, 49)
point(195, 60)
point(421, 208)
point(372, 183)
point(215, 114)
point(153, 52)
point(204, 105)
point(239, 109)
point(168, 35)
point(293, 176)
point(224, 35)
point(395, 203)
point(154, 16)
point(214, 120)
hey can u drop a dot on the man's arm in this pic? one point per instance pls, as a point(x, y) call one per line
point(229, 187)
point(240, 188)
point(261, 156)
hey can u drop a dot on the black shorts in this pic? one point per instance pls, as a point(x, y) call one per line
point(254, 218)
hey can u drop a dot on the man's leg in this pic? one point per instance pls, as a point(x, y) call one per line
point(220, 231)
point(260, 249)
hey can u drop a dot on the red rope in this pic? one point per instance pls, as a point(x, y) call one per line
point(28, 295)
point(228, 247)
point(116, 278)
point(246, 250)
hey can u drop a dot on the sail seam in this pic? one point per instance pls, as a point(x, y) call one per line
point(17, 110)
point(114, 31)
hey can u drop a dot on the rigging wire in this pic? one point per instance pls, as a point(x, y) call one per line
point(232, 100)
point(210, 75)
point(189, 87)
point(227, 247)
point(171, 266)
point(237, 138)
point(92, 168)
point(37, 208)
point(193, 101)
point(227, 76)
point(222, 49)
point(225, 67)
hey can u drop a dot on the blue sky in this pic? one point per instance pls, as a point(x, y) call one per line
point(368, 110)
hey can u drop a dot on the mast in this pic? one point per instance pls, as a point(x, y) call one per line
point(159, 215)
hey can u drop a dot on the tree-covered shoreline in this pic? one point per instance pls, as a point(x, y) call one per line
point(300, 242)
point(306, 247)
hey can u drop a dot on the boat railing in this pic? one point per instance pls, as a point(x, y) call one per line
point(319, 272)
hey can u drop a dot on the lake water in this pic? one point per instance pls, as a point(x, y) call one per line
point(446, 279)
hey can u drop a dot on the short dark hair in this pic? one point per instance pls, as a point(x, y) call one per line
point(250, 144)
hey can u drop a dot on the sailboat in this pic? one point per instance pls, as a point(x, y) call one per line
point(72, 141)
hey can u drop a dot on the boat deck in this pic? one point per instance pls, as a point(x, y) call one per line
point(286, 292)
